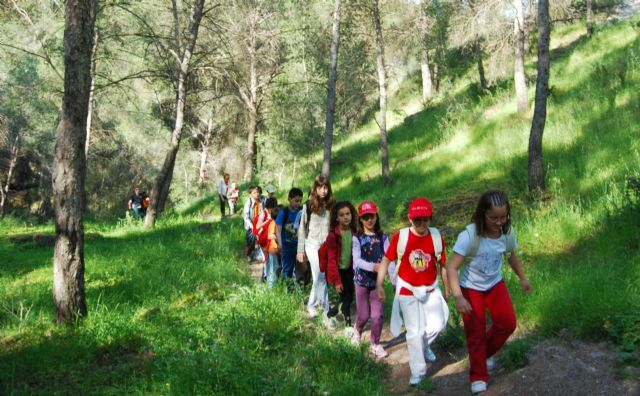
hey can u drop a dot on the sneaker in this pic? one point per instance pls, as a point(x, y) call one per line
point(355, 338)
point(378, 351)
point(348, 332)
point(328, 323)
point(312, 312)
point(478, 387)
point(491, 364)
point(415, 379)
point(429, 355)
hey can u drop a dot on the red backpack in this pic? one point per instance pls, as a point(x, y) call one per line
point(263, 234)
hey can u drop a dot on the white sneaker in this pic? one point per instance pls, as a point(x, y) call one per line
point(429, 355)
point(312, 312)
point(491, 364)
point(378, 351)
point(415, 379)
point(478, 387)
point(355, 337)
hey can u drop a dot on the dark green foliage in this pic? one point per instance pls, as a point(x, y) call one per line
point(514, 354)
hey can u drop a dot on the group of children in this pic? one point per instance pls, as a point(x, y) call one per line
point(347, 248)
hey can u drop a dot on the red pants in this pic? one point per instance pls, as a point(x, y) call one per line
point(483, 343)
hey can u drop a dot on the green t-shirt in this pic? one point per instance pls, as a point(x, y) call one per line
point(345, 256)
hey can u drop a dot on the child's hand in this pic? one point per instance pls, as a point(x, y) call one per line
point(380, 292)
point(300, 257)
point(272, 237)
point(462, 305)
point(376, 267)
point(526, 286)
point(339, 288)
point(447, 294)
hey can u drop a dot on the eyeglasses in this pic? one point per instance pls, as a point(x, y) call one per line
point(421, 220)
point(368, 217)
point(498, 219)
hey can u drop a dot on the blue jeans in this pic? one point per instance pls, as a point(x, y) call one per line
point(271, 268)
point(138, 212)
point(251, 242)
point(288, 264)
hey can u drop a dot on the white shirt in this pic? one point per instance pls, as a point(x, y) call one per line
point(485, 269)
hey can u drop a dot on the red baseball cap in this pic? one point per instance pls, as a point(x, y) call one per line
point(420, 207)
point(367, 207)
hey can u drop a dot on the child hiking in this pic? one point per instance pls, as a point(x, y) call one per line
point(417, 250)
point(368, 247)
point(287, 236)
point(339, 263)
point(253, 208)
point(269, 244)
point(313, 230)
point(481, 287)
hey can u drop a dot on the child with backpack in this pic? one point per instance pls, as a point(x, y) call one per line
point(313, 230)
point(269, 244)
point(287, 237)
point(417, 250)
point(339, 264)
point(251, 211)
point(481, 288)
point(369, 245)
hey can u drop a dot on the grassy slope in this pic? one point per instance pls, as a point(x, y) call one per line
point(172, 311)
point(465, 144)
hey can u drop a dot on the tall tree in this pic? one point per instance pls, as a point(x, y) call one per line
point(69, 167)
point(331, 90)
point(427, 90)
point(536, 166)
point(519, 77)
point(589, 18)
point(182, 58)
point(382, 86)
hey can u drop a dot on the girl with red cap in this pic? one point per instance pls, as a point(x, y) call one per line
point(369, 245)
point(417, 249)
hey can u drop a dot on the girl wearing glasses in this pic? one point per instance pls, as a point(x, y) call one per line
point(481, 287)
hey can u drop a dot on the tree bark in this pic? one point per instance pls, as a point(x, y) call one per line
point(427, 86)
point(536, 166)
point(251, 102)
point(204, 151)
point(382, 85)
point(160, 190)
point(519, 77)
point(69, 166)
point(331, 90)
point(477, 49)
point(589, 18)
point(4, 190)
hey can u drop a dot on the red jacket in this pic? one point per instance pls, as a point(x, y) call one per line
point(334, 250)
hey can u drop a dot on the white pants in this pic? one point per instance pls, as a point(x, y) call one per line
point(423, 322)
point(319, 292)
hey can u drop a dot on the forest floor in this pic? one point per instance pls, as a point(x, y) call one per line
point(557, 366)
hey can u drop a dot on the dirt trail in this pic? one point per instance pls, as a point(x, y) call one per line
point(556, 367)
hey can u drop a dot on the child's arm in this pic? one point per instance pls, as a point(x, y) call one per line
point(462, 305)
point(300, 256)
point(514, 262)
point(356, 253)
point(445, 282)
point(382, 272)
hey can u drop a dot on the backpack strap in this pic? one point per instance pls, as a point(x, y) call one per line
point(437, 242)
point(308, 220)
point(403, 238)
point(474, 240)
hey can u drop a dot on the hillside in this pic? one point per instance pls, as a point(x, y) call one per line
point(174, 310)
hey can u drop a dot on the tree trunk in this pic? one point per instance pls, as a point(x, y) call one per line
point(589, 18)
point(91, 91)
point(160, 190)
point(204, 151)
point(69, 166)
point(4, 191)
point(331, 90)
point(382, 84)
point(251, 103)
point(477, 49)
point(427, 86)
point(536, 166)
point(519, 77)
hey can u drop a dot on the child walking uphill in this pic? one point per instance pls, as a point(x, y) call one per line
point(313, 230)
point(252, 210)
point(270, 246)
point(481, 287)
point(368, 247)
point(287, 237)
point(339, 263)
point(424, 310)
